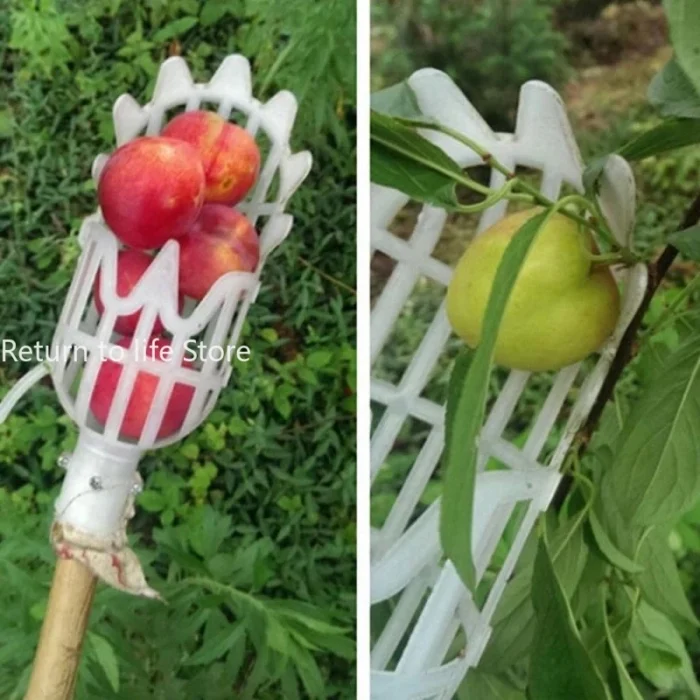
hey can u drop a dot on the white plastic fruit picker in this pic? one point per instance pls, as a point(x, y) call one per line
point(101, 479)
point(430, 604)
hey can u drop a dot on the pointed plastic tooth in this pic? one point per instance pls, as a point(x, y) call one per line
point(278, 114)
point(129, 118)
point(98, 165)
point(94, 229)
point(174, 83)
point(276, 230)
point(232, 77)
point(618, 198)
point(543, 136)
point(162, 278)
point(293, 171)
point(440, 99)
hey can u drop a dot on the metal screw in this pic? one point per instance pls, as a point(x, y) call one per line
point(64, 460)
point(136, 488)
point(96, 483)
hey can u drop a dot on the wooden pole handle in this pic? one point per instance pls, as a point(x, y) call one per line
point(65, 623)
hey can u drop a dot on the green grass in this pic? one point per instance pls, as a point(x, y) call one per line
point(262, 497)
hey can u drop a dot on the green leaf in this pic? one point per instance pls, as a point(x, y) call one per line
point(513, 622)
point(152, 501)
point(400, 158)
point(213, 11)
point(628, 689)
point(655, 478)
point(461, 436)
point(319, 358)
point(673, 93)
point(217, 646)
point(660, 582)
point(609, 550)
point(560, 667)
point(106, 658)
point(479, 685)
point(397, 101)
point(684, 23)
point(659, 651)
point(174, 29)
point(687, 242)
point(668, 136)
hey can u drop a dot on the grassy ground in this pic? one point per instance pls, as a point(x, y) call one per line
point(258, 504)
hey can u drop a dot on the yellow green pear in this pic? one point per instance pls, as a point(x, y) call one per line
point(561, 308)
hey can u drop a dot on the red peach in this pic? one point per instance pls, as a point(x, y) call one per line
point(142, 393)
point(151, 190)
point(131, 266)
point(229, 153)
point(222, 240)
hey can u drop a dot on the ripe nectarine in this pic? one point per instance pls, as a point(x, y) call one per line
point(142, 393)
point(222, 240)
point(151, 190)
point(131, 266)
point(229, 153)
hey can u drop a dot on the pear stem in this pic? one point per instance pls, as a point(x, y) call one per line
point(527, 191)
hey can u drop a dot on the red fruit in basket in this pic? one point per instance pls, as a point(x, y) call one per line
point(131, 266)
point(142, 393)
point(222, 240)
point(229, 153)
point(151, 190)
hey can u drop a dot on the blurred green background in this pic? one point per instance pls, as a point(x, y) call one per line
point(246, 527)
point(600, 55)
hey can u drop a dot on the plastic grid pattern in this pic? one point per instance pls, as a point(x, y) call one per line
point(222, 312)
point(100, 474)
point(431, 604)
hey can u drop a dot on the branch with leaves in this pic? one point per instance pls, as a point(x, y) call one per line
point(613, 588)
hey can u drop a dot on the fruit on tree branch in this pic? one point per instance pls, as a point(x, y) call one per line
point(562, 307)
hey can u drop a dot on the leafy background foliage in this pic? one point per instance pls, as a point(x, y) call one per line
point(246, 527)
point(606, 590)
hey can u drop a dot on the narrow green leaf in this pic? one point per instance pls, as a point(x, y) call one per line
point(684, 23)
point(175, 28)
point(461, 454)
point(560, 667)
point(672, 92)
point(687, 242)
point(106, 658)
point(397, 101)
point(660, 582)
point(609, 550)
point(216, 647)
point(628, 689)
point(400, 158)
point(655, 478)
point(514, 623)
point(667, 136)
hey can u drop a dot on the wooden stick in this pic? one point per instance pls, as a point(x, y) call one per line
point(65, 623)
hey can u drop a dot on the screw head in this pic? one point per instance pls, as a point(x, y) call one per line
point(95, 483)
point(136, 488)
point(64, 460)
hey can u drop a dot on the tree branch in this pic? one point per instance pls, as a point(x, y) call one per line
point(626, 350)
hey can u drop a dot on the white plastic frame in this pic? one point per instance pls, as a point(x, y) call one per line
point(408, 659)
point(101, 472)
